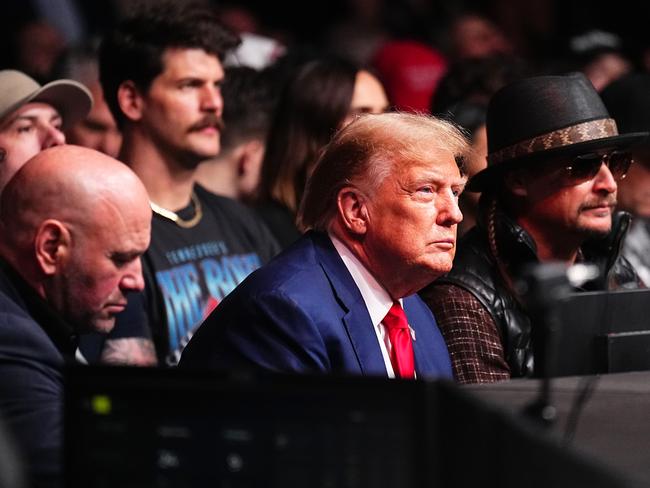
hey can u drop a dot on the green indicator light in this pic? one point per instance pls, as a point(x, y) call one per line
point(101, 404)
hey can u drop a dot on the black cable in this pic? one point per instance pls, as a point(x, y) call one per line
point(585, 390)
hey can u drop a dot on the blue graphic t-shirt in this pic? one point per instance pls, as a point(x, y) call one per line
point(188, 271)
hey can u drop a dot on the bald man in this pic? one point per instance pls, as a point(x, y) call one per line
point(74, 223)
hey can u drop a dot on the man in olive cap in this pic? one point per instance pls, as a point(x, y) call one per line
point(32, 117)
point(548, 194)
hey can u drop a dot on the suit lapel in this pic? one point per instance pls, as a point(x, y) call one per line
point(355, 317)
point(423, 345)
point(364, 341)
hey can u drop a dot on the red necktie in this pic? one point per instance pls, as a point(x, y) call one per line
point(401, 355)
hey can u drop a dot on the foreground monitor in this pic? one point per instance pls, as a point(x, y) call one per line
point(602, 332)
point(173, 428)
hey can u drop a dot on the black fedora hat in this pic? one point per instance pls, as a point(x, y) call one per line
point(542, 118)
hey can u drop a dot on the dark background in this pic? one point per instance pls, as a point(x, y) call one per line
point(538, 28)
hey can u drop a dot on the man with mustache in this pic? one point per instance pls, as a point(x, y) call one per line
point(548, 194)
point(161, 73)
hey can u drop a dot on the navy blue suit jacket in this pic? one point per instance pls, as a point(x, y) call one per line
point(35, 343)
point(303, 313)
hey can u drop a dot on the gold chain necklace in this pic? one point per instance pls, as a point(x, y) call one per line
point(174, 217)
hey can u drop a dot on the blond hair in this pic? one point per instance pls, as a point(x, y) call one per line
point(366, 151)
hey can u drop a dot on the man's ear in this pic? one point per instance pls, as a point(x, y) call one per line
point(130, 100)
point(250, 157)
point(515, 181)
point(52, 245)
point(353, 210)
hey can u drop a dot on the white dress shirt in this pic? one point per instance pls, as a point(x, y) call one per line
point(377, 300)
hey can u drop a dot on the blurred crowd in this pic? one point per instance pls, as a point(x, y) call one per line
point(444, 58)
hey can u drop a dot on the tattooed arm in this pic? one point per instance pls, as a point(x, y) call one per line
point(129, 351)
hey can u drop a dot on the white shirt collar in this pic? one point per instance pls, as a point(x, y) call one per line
point(375, 296)
point(78, 355)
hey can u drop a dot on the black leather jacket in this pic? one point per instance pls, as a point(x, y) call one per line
point(475, 271)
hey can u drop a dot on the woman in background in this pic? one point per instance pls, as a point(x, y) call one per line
point(323, 96)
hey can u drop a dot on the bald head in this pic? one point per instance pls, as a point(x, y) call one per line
point(68, 182)
point(75, 223)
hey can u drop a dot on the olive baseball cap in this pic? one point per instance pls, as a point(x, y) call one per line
point(70, 98)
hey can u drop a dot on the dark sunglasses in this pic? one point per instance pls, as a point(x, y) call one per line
point(586, 166)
